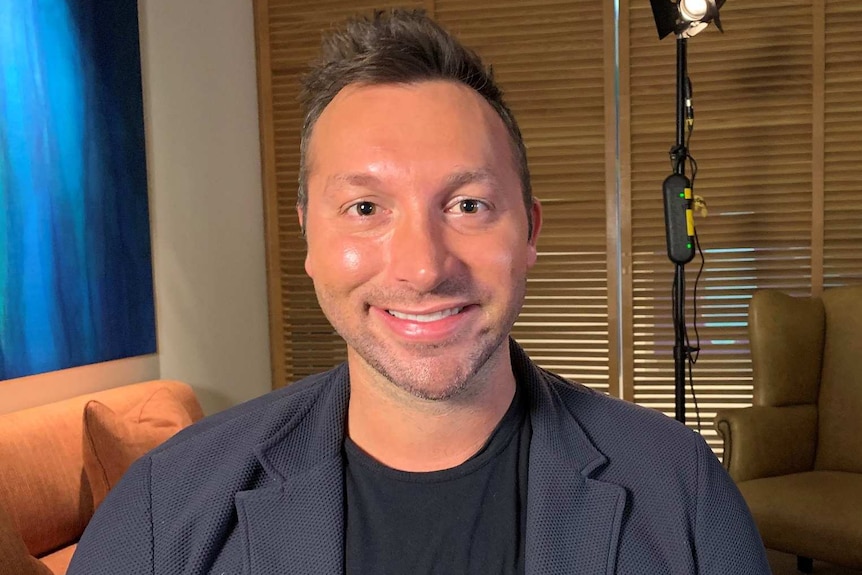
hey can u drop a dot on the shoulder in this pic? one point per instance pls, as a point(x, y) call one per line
point(668, 470)
point(181, 496)
point(615, 424)
point(221, 451)
point(254, 420)
point(611, 425)
point(644, 450)
point(628, 438)
point(676, 489)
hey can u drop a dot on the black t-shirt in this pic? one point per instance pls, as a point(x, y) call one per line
point(468, 519)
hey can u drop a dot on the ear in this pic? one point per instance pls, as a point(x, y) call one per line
point(536, 214)
point(300, 213)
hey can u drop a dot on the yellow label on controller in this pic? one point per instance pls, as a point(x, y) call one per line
point(689, 215)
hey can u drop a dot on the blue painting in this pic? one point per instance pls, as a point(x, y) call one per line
point(76, 283)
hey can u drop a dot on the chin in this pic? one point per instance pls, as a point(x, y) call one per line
point(441, 377)
point(429, 392)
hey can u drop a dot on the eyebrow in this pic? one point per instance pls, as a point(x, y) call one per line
point(453, 181)
point(480, 176)
point(354, 179)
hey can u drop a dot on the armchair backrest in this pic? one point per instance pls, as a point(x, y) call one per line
point(808, 351)
point(786, 335)
point(839, 442)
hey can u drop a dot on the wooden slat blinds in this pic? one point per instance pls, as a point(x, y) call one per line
point(842, 261)
point(752, 142)
point(550, 62)
point(288, 38)
point(784, 208)
point(778, 136)
point(548, 59)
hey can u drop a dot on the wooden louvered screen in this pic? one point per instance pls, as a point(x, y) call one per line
point(842, 258)
point(550, 61)
point(288, 37)
point(758, 140)
point(752, 142)
point(778, 138)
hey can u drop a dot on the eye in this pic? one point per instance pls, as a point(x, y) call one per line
point(364, 208)
point(470, 206)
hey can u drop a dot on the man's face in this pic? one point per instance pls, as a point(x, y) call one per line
point(417, 234)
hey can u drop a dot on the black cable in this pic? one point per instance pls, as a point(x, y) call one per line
point(694, 396)
point(693, 170)
point(696, 347)
point(692, 359)
point(690, 130)
point(674, 306)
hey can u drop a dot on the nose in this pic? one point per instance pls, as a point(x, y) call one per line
point(419, 255)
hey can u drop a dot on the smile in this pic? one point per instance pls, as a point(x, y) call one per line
point(425, 318)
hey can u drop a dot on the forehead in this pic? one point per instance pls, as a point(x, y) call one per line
point(424, 126)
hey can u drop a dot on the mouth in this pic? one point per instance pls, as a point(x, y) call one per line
point(425, 317)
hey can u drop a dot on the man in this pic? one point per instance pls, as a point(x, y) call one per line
point(438, 447)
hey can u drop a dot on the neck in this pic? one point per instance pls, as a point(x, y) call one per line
point(407, 433)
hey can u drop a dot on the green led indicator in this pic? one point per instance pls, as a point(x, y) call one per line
point(689, 245)
point(682, 195)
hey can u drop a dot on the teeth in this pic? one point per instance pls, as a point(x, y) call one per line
point(425, 318)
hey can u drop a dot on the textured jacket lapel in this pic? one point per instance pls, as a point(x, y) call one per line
point(573, 519)
point(295, 526)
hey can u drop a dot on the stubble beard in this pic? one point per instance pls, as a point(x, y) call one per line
point(420, 378)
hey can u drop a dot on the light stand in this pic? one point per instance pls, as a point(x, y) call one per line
point(685, 18)
point(679, 229)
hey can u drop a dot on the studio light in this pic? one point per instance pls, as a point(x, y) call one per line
point(685, 18)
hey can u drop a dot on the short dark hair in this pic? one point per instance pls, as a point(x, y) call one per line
point(399, 47)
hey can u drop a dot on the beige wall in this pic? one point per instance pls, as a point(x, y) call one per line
point(200, 104)
point(200, 98)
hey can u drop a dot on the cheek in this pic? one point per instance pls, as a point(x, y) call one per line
point(502, 260)
point(351, 260)
point(496, 263)
point(341, 265)
point(511, 252)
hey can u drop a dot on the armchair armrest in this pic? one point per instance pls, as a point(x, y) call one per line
point(764, 441)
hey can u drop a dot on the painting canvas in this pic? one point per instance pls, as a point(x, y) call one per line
point(75, 258)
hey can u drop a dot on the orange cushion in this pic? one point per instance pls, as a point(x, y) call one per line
point(58, 561)
point(14, 557)
point(113, 441)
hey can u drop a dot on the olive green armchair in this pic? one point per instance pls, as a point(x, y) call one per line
point(796, 455)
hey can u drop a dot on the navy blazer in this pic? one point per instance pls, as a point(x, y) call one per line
point(259, 489)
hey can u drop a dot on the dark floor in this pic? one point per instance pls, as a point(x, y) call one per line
point(784, 564)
